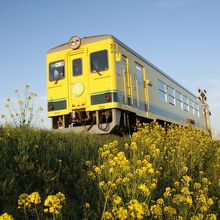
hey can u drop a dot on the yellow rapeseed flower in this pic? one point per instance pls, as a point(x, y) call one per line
point(169, 210)
point(97, 170)
point(125, 180)
point(122, 213)
point(160, 201)
point(185, 191)
point(211, 217)
point(153, 186)
point(197, 186)
point(186, 179)
point(133, 146)
point(197, 217)
point(6, 216)
point(136, 209)
point(101, 184)
point(167, 192)
point(144, 189)
point(54, 203)
point(107, 216)
point(34, 198)
point(156, 210)
point(23, 201)
point(210, 202)
point(184, 169)
point(86, 205)
point(116, 200)
point(176, 184)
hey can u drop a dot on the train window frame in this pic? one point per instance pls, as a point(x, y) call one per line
point(162, 90)
point(179, 99)
point(95, 66)
point(170, 95)
point(61, 74)
point(81, 67)
point(185, 103)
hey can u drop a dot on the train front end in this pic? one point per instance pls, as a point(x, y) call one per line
point(81, 83)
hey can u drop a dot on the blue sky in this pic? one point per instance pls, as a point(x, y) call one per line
point(181, 37)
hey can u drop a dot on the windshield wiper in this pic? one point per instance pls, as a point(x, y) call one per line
point(94, 68)
point(58, 78)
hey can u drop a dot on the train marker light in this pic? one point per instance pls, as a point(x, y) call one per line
point(107, 98)
point(51, 107)
point(74, 42)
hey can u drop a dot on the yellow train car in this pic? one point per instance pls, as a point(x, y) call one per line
point(99, 85)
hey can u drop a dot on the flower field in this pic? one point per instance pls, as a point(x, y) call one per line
point(169, 172)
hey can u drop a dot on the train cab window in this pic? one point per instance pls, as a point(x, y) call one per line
point(191, 107)
point(77, 67)
point(170, 95)
point(162, 90)
point(99, 61)
point(185, 104)
point(179, 100)
point(56, 70)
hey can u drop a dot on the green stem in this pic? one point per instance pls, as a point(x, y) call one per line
point(104, 208)
point(25, 213)
point(38, 217)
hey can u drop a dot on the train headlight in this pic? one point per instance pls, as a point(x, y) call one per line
point(77, 89)
point(74, 42)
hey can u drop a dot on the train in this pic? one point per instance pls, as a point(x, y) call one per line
point(99, 85)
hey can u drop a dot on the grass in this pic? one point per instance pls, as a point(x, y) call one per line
point(47, 162)
point(35, 160)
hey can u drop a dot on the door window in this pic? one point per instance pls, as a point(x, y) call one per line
point(77, 67)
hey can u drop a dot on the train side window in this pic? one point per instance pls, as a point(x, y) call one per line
point(56, 70)
point(179, 100)
point(191, 107)
point(99, 61)
point(185, 104)
point(170, 95)
point(139, 82)
point(118, 67)
point(196, 109)
point(135, 86)
point(124, 66)
point(77, 67)
point(162, 90)
point(126, 79)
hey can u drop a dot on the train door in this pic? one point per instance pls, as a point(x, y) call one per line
point(127, 86)
point(78, 80)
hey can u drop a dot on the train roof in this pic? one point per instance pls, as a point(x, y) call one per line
point(91, 39)
point(85, 40)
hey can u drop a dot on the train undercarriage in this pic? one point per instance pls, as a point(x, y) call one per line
point(99, 122)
